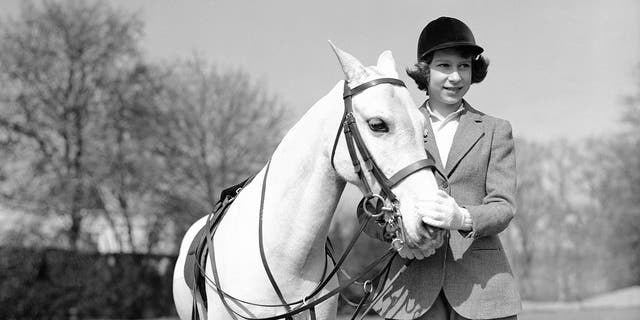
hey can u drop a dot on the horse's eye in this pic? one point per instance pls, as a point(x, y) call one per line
point(377, 125)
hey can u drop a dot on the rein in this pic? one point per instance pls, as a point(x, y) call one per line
point(384, 207)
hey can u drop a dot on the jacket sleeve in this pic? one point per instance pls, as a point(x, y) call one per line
point(498, 206)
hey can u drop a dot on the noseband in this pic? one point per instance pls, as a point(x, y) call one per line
point(385, 206)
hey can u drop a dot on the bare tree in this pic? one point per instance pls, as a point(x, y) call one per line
point(612, 178)
point(89, 130)
point(127, 172)
point(554, 221)
point(621, 188)
point(578, 211)
point(55, 62)
point(219, 129)
point(532, 206)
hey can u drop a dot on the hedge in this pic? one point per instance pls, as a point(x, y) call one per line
point(61, 284)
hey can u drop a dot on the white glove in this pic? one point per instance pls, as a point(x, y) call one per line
point(443, 212)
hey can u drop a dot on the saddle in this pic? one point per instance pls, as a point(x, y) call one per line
point(197, 255)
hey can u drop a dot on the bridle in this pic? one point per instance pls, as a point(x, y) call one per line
point(385, 207)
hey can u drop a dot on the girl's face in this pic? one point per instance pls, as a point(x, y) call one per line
point(450, 77)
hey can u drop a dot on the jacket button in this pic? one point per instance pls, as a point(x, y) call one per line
point(444, 185)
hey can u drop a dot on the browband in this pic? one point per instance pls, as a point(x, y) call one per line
point(372, 83)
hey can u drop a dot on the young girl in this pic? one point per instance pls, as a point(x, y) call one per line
point(469, 277)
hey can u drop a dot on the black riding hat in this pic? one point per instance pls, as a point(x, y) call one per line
point(446, 32)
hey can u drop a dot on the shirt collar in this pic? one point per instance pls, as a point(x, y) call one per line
point(449, 116)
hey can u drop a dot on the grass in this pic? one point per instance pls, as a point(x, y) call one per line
point(584, 314)
point(632, 313)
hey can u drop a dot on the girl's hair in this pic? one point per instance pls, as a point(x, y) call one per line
point(420, 71)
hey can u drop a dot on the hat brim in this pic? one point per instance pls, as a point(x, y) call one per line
point(476, 48)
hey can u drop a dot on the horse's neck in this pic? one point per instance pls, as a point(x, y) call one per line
point(302, 187)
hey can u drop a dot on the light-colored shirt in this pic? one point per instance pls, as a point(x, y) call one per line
point(444, 129)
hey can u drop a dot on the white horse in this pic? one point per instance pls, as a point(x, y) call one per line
point(302, 189)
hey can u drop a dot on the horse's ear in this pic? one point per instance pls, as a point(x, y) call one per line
point(387, 64)
point(352, 68)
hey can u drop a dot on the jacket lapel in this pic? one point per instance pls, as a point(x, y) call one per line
point(470, 130)
point(430, 140)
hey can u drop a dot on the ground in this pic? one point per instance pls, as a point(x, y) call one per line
point(622, 304)
point(618, 305)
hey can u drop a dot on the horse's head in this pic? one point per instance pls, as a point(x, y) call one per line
point(391, 127)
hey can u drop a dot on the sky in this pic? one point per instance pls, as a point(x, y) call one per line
point(559, 69)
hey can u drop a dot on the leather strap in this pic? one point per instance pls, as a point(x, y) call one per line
point(353, 137)
point(410, 169)
point(372, 83)
point(347, 93)
point(335, 142)
point(263, 257)
point(390, 254)
point(385, 287)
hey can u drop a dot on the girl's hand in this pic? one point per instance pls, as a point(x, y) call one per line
point(443, 212)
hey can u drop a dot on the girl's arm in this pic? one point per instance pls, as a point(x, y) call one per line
point(498, 207)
